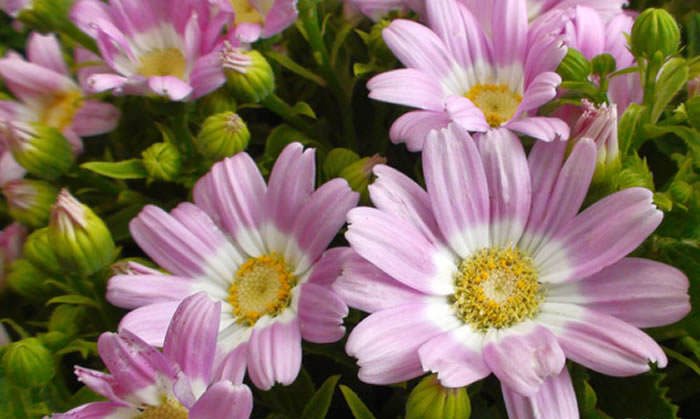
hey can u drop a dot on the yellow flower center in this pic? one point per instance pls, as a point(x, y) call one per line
point(496, 288)
point(59, 111)
point(246, 13)
point(163, 62)
point(496, 101)
point(169, 409)
point(262, 286)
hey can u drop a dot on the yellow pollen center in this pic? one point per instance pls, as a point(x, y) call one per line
point(59, 111)
point(262, 286)
point(169, 409)
point(246, 13)
point(496, 288)
point(163, 62)
point(496, 101)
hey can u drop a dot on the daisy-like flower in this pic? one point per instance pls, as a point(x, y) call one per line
point(162, 47)
point(178, 383)
point(376, 9)
point(258, 249)
point(493, 270)
point(47, 96)
point(262, 18)
point(13, 7)
point(458, 74)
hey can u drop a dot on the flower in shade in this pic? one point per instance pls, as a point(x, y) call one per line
point(256, 19)
point(161, 47)
point(493, 270)
point(456, 73)
point(11, 242)
point(178, 383)
point(258, 249)
point(46, 96)
point(13, 7)
point(376, 9)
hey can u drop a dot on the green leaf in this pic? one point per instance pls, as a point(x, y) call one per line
point(79, 300)
point(127, 169)
point(295, 68)
point(357, 407)
point(643, 396)
point(629, 127)
point(337, 160)
point(689, 135)
point(289, 401)
point(318, 406)
point(674, 75)
point(692, 107)
point(303, 108)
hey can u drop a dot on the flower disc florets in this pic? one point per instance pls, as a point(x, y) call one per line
point(496, 101)
point(169, 409)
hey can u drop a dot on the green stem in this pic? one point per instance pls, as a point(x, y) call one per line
point(285, 111)
point(309, 18)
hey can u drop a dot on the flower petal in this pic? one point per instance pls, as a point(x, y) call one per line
point(554, 400)
point(94, 118)
point(31, 82)
point(465, 114)
point(541, 128)
point(274, 354)
point(413, 127)
point(170, 86)
point(150, 322)
point(329, 266)
point(407, 86)
point(321, 314)
point(206, 75)
point(45, 51)
point(100, 410)
point(99, 382)
point(540, 91)
point(224, 400)
point(132, 291)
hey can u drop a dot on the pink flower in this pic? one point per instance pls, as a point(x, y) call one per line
point(258, 249)
point(179, 382)
point(162, 47)
point(46, 95)
point(376, 9)
point(256, 19)
point(13, 7)
point(493, 270)
point(11, 242)
point(456, 73)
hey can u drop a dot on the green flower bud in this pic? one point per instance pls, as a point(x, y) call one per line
point(40, 149)
point(67, 318)
point(431, 400)
point(79, 237)
point(574, 66)
point(39, 251)
point(655, 30)
point(222, 135)
point(248, 73)
point(162, 161)
point(28, 363)
point(28, 280)
point(358, 174)
point(338, 159)
point(603, 64)
point(29, 201)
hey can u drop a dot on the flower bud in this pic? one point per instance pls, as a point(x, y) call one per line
point(431, 400)
point(28, 280)
point(67, 318)
point(603, 64)
point(359, 173)
point(79, 237)
point(162, 161)
point(46, 15)
point(29, 201)
point(249, 75)
point(39, 251)
point(28, 363)
point(694, 87)
point(40, 149)
point(599, 123)
point(11, 240)
point(655, 30)
point(222, 135)
point(574, 66)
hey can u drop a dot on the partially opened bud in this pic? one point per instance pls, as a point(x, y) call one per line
point(249, 75)
point(359, 173)
point(29, 201)
point(40, 149)
point(599, 123)
point(162, 161)
point(222, 135)
point(655, 30)
point(431, 400)
point(80, 238)
point(28, 363)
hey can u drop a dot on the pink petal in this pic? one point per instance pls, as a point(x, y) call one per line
point(329, 266)
point(386, 343)
point(523, 360)
point(224, 400)
point(280, 16)
point(94, 118)
point(206, 75)
point(365, 287)
point(99, 382)
point(321, 314)
point(508, 181)
point(416, 46)
point(398, 248)
point(150, 322)
point(413, 127)
point(274, 354)
point(641, 292)
point(541, 128)
point(622, 221)
point(100, 410)
point(540, 91)
point(465, 114)
point(554, 400)
point(85, 13)
point(170, 86)
point(509, 32)
point(232, 195)
point(601, 342)
point(232, 365)
point(455, 356)
point(291, 183)
point(45, 51)
point(97, 83)
point(456, 183)
point(589, 32)
point(132, 291)
point(191, 338)
point(407, 86)
point(31, 82)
